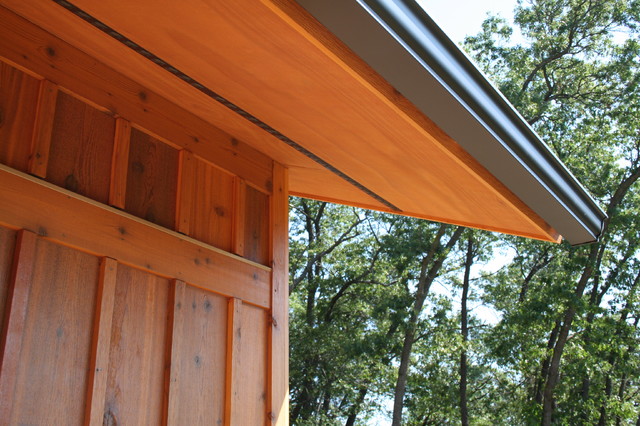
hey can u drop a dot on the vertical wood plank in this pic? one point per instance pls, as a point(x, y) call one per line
point(81, 148)
point(152, 180)
point(256, 226)
point(18, 104)
point(120, 163)
point(43, 128)
point(198, 352)
point(233, 355)
point(175, 323)
point(99, 361)
point(135, 383)
point(239, 214)
point(56, 339)
point(279, 327)
point(172, 346)
point(186, 188)
point(249, 381)
point(15, 314)
point(211, 213)
point(7, 248)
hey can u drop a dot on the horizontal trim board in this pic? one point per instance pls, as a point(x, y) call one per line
point(76, 221)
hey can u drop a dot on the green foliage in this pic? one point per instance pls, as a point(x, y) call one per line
point(355, 275)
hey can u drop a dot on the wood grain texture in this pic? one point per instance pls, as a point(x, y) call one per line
point(81, 148)
point(135, 378)
point(197, 380)
point(234, 334)
point(28, 46)
point(256, 226)
point(120, 164)
point(78, 222)
point(152, 178)
point(272, 63)
point(172, 376)
point(15, 317)
point(279, 325)
point(239, 215)
point(7, 246)
point(42, 129)
point(56, 339)
point(186, 189)
point(249, 405)
point(101, 343)
point(18, 102)
point(212, 205)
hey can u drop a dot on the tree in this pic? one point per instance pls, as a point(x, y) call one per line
point(342, 325)
point(580, 90)
point(366, 324)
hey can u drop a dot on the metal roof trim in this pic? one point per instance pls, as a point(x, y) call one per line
point(517, 156)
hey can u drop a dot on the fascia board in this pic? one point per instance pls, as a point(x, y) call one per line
point(403, 44)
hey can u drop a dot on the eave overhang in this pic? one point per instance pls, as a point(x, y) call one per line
point(401, 42)
point(367, 104)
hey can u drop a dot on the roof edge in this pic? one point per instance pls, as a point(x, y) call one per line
point(455, 68)
point(443, 60)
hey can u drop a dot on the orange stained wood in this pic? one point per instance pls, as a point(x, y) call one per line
point(124, 345)
point(81, 148)
point(135, 377)
point(256, 225)
point(282, 67)
point(234, 333)
point(18, 102)
point(207, 202)
point(249, 377)
point(198, 354)
point(120, 164)
point(7, 244)
point(239, 216)
point(40, 54)
point(43, 128)
point(278, 404)
point(70, 219)
point(151, 180)
point(15, 314)
point(62, 325)
point(99, 359)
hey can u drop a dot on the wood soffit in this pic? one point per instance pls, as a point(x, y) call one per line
point(267, 73)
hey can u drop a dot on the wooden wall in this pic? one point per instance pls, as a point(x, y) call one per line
point(107, 158)
point(142, 252)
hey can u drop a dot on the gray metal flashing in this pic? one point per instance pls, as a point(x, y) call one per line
point(403, 44)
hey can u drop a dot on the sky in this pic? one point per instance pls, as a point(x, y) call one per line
point(459, 18)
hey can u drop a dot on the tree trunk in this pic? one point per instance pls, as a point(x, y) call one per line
point(302, 404)
point(570, 313)
point(621, 392)
point(603, 410)
point(544, 369)
point(355, 408)
point(464, 330)
point(544, 260)
point(563, 335)
point(427, 275)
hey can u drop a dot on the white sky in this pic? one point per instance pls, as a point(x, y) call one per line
point(459, 18)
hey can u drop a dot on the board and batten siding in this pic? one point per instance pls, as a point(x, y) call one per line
point(143, 252)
